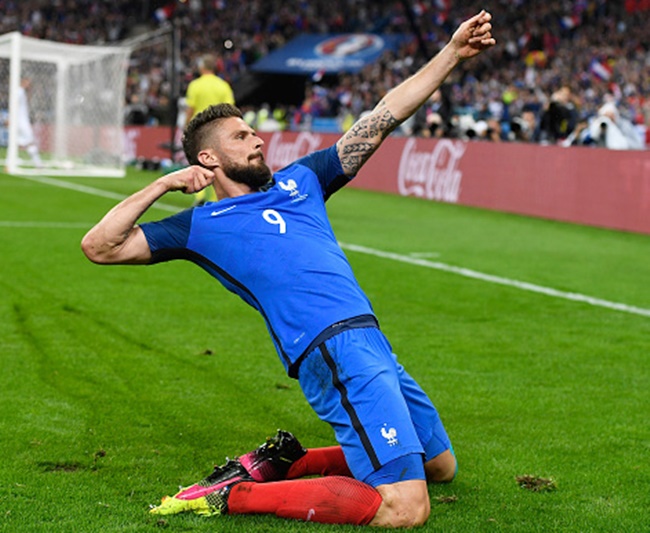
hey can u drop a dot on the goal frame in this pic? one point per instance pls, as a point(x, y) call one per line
point(64, 56)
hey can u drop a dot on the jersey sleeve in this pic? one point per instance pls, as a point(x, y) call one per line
point(327, 166)
point(167, 238)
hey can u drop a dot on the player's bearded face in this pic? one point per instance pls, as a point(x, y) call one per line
point(255, 174)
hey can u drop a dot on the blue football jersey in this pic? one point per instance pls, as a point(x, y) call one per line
point(276, 250)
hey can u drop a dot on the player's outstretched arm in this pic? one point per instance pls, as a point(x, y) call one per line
point(355, 147)
point(116, 239)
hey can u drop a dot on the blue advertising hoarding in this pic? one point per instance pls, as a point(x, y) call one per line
point(308, 54)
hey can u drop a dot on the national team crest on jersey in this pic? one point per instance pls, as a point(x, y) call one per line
point(292, 188)
point(390, 435)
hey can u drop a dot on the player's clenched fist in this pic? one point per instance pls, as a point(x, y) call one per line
point(473, 36)
point(189, 180)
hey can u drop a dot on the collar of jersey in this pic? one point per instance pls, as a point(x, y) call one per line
point(268, 185)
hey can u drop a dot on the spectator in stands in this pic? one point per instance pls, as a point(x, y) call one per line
point(136, 112)
point(433, 118)
point(493, 132)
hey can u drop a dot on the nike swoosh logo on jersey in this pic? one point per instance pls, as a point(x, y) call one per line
point(215, 213)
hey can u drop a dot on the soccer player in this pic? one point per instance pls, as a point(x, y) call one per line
point(206, 90)
point(269, 241)
point(26, 138)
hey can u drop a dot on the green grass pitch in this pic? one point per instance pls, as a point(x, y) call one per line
point(118, 384)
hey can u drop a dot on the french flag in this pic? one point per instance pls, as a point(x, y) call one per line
point(600, 69)
point(569, 22)
point(165, 12)
point(419, 9)
point(318, 75)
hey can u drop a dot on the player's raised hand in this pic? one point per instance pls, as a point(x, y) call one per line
point(189, 179)
point(473, 36)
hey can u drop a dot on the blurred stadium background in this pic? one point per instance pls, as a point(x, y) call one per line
point(556, 64)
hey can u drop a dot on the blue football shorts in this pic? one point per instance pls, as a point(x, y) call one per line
point(384, 421)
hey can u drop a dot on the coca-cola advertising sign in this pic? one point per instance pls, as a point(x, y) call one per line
point(432, 173)
point(284, 149)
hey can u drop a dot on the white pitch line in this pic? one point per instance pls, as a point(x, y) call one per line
point(92, 190)
point(522, 285)
point(46, 225)
point(422, 255)
point(466, 272)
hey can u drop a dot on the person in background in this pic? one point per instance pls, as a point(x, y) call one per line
point(26, 138)
point(612, 130)
point(206, 90)
point(559, 119)
point(608, 129)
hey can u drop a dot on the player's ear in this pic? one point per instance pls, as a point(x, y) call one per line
point(208, 159)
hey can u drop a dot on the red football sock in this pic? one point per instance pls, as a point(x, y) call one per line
point(328, 461)
point(328, 500)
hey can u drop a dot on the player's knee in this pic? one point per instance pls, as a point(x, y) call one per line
point(405, 512)
point(403, 506)
point(442, 468)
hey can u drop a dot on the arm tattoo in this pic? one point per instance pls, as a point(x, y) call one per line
point(387, 122)
point(361, 147)
point(378, 124)
point(361, 141)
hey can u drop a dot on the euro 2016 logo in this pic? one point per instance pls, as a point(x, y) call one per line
point(350, 45)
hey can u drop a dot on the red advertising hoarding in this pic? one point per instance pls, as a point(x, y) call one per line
point(584, 185)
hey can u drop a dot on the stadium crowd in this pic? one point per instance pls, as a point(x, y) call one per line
point(564, 71)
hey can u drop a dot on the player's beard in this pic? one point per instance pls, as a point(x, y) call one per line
point(256, 174)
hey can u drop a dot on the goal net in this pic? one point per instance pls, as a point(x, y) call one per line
point(61, 107)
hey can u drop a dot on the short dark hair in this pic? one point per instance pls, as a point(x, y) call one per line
point(207, 61)
point(197, 131)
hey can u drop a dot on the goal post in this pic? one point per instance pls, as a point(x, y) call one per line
point(62, 107)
